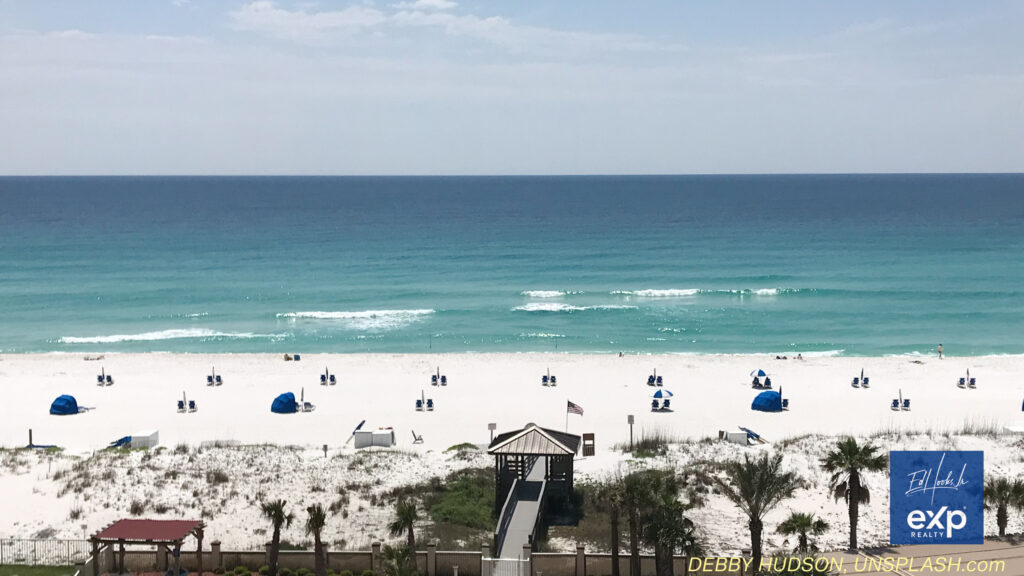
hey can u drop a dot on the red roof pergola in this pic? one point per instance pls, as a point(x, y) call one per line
point(161, 532)
point(148, 531)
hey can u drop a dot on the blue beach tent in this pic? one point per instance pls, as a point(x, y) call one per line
point(768, 401)
point(64, 405)
point(285, 404)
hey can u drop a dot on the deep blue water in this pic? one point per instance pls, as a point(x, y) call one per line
point(865, 265)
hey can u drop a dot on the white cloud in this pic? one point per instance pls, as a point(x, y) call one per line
point(299, 25)
point(426, 5)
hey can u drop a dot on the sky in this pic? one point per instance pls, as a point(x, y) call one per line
point(510, 87)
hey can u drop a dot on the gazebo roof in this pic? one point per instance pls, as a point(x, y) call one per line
point(131, 530)
point(535, 441)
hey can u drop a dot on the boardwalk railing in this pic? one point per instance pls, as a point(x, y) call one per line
point(44, 552)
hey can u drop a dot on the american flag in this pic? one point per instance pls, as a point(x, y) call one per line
point(574, 409)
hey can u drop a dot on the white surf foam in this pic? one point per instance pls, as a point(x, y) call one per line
point(173, 334)
point(559, 307)
point(363, 319)
point(546, 293)
point(659, 293)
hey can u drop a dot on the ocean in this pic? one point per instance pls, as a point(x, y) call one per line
point(853, 265)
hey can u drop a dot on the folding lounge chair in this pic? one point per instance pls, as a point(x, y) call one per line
point(181, 405)
point(856, 383)
point(419, 405)
point(864, 384)
point(658, 381)
point(972, 383)
point(650, 380)
point(333, 380)
point(308, 407)
point(906, 403)
point(219, 381)
point(785, 403)
point(192, 406)
point(895, 404)
point(544, 380)
point(962, 383)
point(99, 379)
point(554, 381)
point(110, 380)
point(665, 404)
point(323, 379)
point(756, 383)
point(654, 405)
point(433, 379)
point(444, 380)
point(430, 404)
point(416, 439)
point(209, 380)
point(767, 382)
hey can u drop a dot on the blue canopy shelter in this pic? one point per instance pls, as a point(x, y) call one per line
point(285, 404)
point(64, 405)
point(768, 401)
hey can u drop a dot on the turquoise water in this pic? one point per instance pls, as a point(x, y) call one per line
point(852, 265)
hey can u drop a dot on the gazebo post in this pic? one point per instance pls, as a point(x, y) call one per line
point(177, 558)
point(199, 549)
point(95, 557)
point(120, 559)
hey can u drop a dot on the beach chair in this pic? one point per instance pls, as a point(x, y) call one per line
point(308, 406)
point(864, 384)
point(209, 380)
point(297, 357)
point(895, 404)
point(906, 403)
point(192, 406)
point(665, 404)
point(544, 380)
point(856, 382)
point(430, 404)
point(785, 403)
point(99, 379)
point(756, 383)
point(110, 380)
point(416, 439)
point(181, 405)
point(654, 405)
point(962, 383)
point(767, 382)
point(323, 379)
point(444, 380)
point(333, 380)
point(419, 405)
point(433, 379)
point(650, 380)
point(972, 383)
point(658, 381)
point(218, 380)
point(554, 381)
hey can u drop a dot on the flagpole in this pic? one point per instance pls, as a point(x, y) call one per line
point(567, 415)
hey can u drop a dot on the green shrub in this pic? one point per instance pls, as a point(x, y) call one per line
point(242, 571)
point(218, 570)
point(303, 572)
point(285, 572)
point(264, 570)
point(346, 573)
point(367, 573)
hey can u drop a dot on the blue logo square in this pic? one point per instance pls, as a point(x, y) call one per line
point(936, 497)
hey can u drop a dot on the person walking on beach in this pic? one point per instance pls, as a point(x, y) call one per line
point(940, 351)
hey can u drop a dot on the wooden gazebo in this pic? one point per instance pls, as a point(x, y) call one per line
point(516, 453)
point(171, 533)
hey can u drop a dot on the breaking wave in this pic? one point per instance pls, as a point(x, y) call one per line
point(559, 307)
point(173, 334)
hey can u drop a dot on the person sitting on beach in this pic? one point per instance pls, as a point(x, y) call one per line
point(799, 356)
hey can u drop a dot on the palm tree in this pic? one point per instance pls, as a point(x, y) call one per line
point(611, 496)
point(405, 519)
point(846, 463)
point(803, 524)
point(399, 561)
point(640, 495)
point(757, 486)
point(1003, 494)
point(275, 512)
point(315, 527)
point(667, 529)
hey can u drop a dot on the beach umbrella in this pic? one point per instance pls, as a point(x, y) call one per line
point(758, 373)
point(662, 393)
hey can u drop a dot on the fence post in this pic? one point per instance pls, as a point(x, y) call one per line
point(581, 561)
point(375, 559)
point(161, 557)
point(432, 558)
point(485, 566)
point(527, 570)
point(266, 559)
point(215, 553)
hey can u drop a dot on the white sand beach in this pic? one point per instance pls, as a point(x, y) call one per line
point(711, 393)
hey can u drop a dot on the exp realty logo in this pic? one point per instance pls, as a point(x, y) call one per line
point(936, 497)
